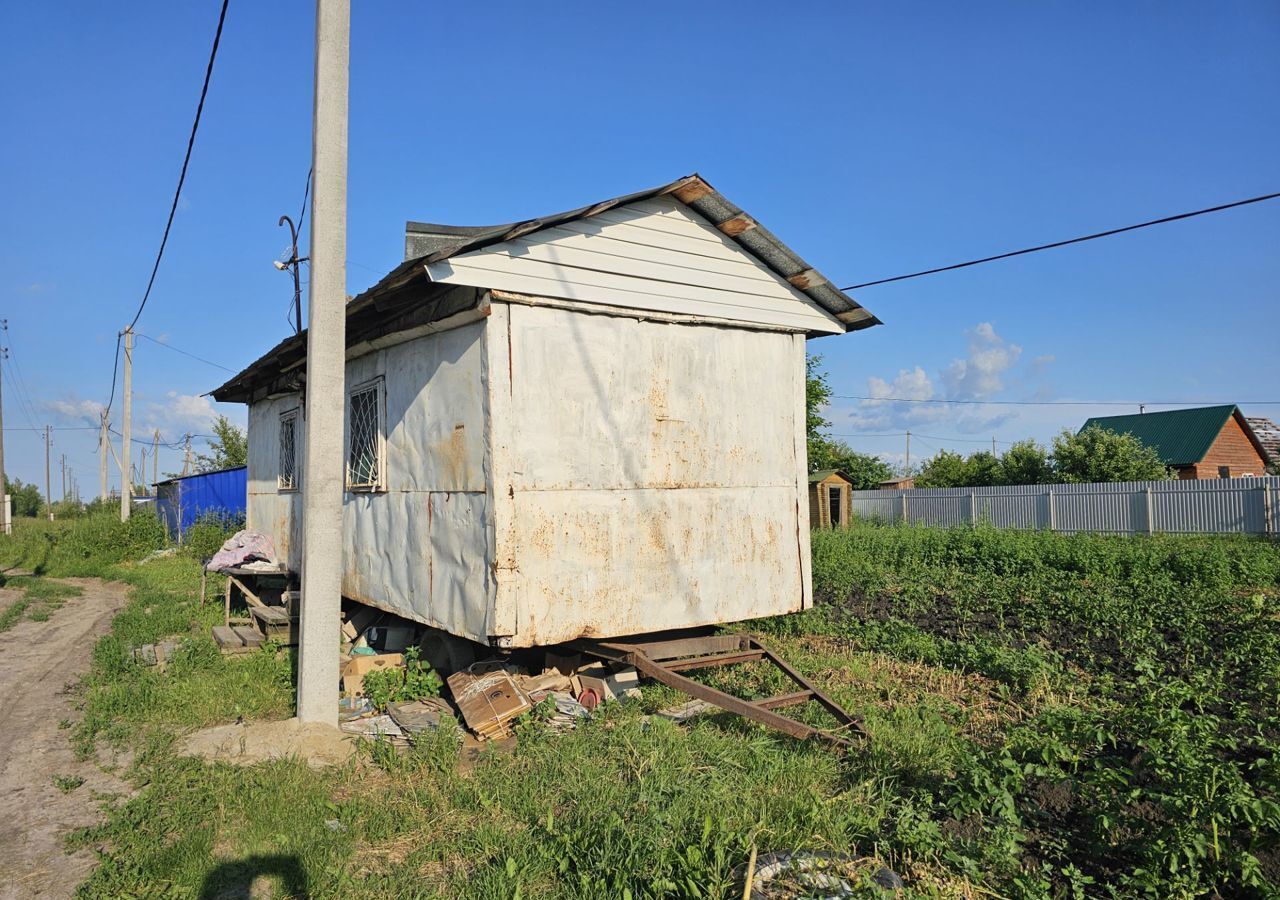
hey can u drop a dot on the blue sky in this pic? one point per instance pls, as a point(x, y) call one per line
point(875, 139)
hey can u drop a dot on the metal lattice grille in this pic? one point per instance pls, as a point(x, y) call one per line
point(363, 459)
point(288, 480)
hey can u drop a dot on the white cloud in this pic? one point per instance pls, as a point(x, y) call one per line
point(180, 413)
point(80, 410)
point(979, 375)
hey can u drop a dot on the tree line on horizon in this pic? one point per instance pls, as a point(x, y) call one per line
point(1094, 455)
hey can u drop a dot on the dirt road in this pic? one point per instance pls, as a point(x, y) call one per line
point(39, 662)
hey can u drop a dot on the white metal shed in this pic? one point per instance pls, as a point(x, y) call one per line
point(585, 425)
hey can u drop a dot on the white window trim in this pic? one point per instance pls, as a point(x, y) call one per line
point(295, 415)
point(378, 384)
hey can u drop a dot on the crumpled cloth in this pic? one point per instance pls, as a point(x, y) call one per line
point(242, 548)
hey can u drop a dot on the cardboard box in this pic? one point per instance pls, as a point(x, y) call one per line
point(361, 665)
point(608, 685)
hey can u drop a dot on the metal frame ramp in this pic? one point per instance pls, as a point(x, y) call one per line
point(663, 658)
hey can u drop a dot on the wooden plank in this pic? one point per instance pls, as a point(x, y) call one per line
point(250, 637)
point(671, 270)
point(675, 648)
point(226, 637)
point(628, 242)
point(272, 615)
point(599, 287)
point(252, 598)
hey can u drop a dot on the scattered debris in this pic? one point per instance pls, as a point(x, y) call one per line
point(801, 873)
point(390, 638)
point(415, 716)
point(359, 666)
point(372, 726)
point(157, 654)
point(488, 698)
point(685, 712)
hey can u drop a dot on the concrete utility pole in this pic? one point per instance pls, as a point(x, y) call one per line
point(322, 478)
point(48, 493)
point(186, 455)
point(155, 457)
point(5, 521)
point(126, 438)
point(908, 468)
point(141, 471)
point(103, 439)
point(62, 461)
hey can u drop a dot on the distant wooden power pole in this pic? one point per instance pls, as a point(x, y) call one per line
point(126, 438)
point(48, 482)
point(62, 461)
point(104, 444)
point(155, 457)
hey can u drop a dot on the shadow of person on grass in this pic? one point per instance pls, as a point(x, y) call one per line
point(235, 880)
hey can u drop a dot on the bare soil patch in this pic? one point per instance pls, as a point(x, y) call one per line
point(39, 666)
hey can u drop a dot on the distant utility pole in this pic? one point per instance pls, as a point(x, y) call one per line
point(48, 490)
point(322, 478)
point(993, 445)
point(155, 457)
point(62, 460)
point(141, 475)
point(908, 468)
point(126, 439)
point(103, 444)
point(186, 455)
point(293, 264)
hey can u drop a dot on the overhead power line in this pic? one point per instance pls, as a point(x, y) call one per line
point(207, 362)
point(182, 176)
point(1067, 402)
point(1075, 240)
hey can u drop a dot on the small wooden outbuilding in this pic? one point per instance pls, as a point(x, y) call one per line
point(830, 499)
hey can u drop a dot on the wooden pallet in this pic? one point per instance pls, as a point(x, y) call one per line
point(664, 658)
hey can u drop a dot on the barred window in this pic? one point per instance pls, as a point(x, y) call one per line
point(364, 425)
point(288, 477)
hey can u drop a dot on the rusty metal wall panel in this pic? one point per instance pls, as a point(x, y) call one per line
point(606, 563)
point(652, 471)
point(1235, 505)
point(420, 548)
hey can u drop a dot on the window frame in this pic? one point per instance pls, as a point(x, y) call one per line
point(378, 385)
point(292, 416)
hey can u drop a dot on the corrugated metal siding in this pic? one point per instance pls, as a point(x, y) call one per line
point(1236, 505)
point(181, 502)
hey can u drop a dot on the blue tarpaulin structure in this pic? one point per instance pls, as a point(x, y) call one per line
point(181, 502)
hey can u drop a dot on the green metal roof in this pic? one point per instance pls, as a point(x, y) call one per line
point(1182, 437)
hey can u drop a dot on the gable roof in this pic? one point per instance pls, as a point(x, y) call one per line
point(407, 292)
point(1268, 435)
point(1182, 437)
point(823, 474)
point(427, 244)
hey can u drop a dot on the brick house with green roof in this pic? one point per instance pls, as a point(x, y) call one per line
point(1206, 442)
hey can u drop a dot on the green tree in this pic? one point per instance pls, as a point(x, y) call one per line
point(1026, 462)
point(945, 469)
point(1097, 455)
point(25, 498)
point(230, 446)
point(864, 470)
point(982, 469)
point(816, 394)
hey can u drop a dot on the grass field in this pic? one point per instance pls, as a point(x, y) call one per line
point(1050, 716)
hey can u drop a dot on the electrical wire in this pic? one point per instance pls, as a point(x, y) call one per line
point(115, 369)
point(1075, 240)
point(24, 404)
point(207, 362)
point(1065, 402)
point(182, 176)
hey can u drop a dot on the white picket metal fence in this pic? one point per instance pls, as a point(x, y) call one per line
point(1218, 506)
